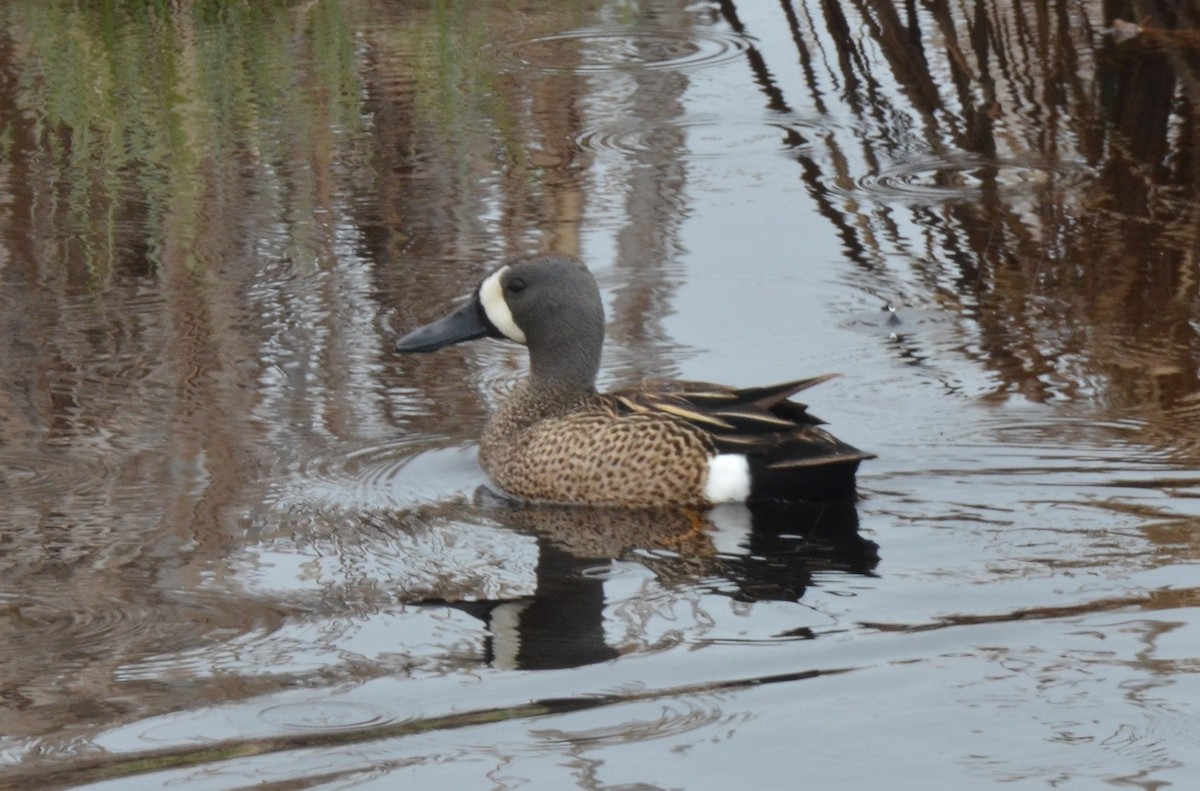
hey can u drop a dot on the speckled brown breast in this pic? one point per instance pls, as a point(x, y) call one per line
point(591, 456)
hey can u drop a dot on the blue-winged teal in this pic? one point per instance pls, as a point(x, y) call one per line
point(555, 439)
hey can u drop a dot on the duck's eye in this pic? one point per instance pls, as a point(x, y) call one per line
point(516, 285)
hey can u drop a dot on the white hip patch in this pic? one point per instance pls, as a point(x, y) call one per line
point(728, 478)
point(491, 296)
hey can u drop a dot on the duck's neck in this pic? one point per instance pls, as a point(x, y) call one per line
point(539, 397)
point(563, 366)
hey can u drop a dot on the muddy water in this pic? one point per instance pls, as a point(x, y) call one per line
point(244, 545)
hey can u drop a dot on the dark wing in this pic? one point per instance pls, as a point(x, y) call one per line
point(759, 421)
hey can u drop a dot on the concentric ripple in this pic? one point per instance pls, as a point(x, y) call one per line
point(939, 179)
point(50, 473)
point(696, 138)
point(87, 627)
point(386, 475)
point(605, 50)
point(324, 715)
point(69, 652)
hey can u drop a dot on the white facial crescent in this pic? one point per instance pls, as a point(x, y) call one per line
point(491, 296)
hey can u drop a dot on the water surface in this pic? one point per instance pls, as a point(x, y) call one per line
point(243, 544)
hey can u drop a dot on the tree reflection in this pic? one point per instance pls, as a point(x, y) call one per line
point(1049, 167)
point(205, 207)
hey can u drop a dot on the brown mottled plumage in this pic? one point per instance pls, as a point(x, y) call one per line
point(556, 439)
point(583, 450)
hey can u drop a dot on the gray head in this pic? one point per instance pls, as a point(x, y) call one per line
point(550, 303)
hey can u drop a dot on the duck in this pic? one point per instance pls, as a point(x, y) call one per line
point(555, 439)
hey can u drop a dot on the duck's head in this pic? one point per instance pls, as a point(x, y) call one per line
point(550, 303)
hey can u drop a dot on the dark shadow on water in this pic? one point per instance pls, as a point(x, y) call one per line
point(764, 553)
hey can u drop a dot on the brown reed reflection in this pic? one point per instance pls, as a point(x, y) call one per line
point(1050, 166)
point(211, 212)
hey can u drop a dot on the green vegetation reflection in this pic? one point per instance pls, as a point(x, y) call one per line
point(139, 115)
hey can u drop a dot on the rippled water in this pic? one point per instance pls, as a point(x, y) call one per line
point(244, 545)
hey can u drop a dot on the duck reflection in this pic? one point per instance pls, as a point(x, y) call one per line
point(750, 554)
